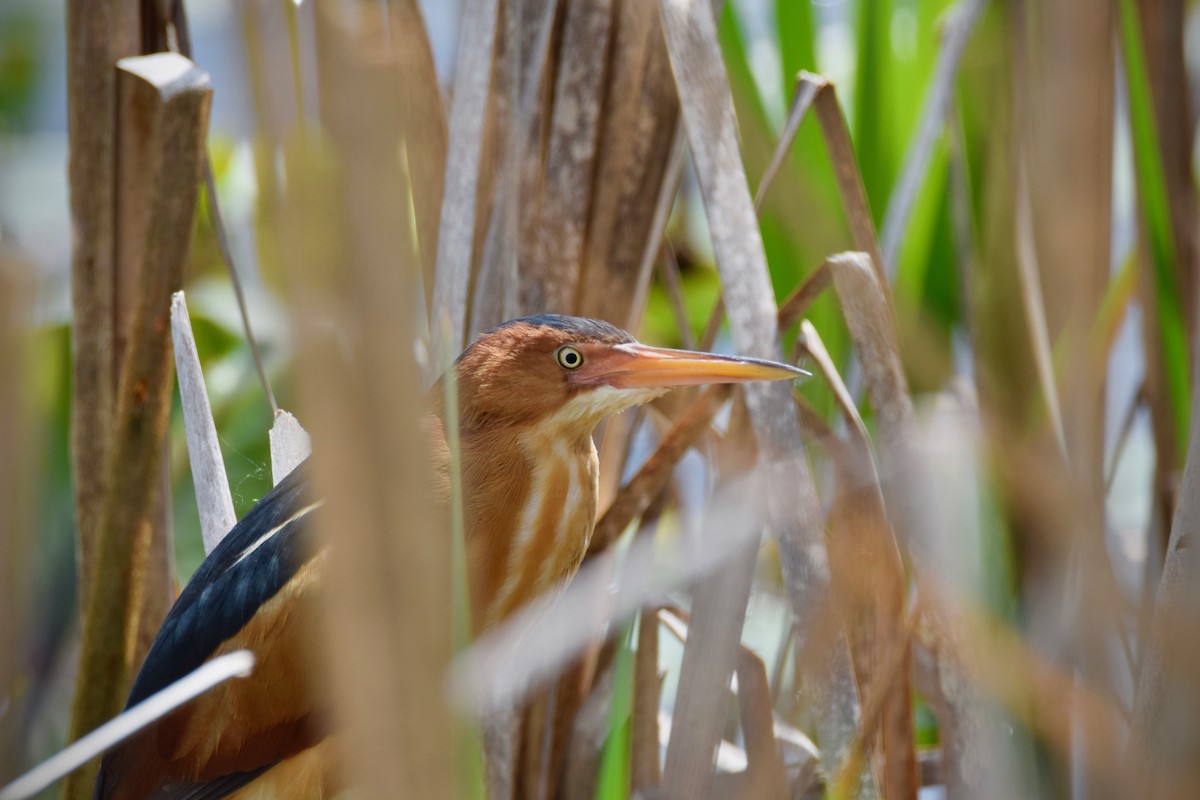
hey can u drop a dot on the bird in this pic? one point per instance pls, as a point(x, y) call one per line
point(530, 394)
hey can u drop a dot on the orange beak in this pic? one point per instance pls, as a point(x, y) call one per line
point(636, 366)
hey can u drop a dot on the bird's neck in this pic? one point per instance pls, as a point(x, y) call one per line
point(530, 511)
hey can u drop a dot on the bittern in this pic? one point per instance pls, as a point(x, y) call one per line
point(531, 392)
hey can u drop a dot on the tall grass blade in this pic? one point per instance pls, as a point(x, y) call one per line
point(170, 97)
point(1156, 219)
point(934, 110)
point(612, 781)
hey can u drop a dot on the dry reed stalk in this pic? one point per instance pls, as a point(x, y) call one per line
point(1164, 745)
point(720, 603)
point(644, 771)
point(764, 765)
point(845, 168)
point(213, 499)
point(636, 167)
point(456, 231)
point(133, 213)
point(167, 99)
point(1064, 224)
point(98, 34)
point(1027, 684)
point(869, 586)
point(355, 270)
point(551, 273)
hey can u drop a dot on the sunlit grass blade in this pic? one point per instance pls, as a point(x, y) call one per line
point(1156, 220)
point(612, 782)
point(797, 31)
point(874, 65)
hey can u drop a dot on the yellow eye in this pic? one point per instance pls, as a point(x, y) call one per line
point(568, 357)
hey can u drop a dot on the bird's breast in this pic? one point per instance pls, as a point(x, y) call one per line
point(554, 523)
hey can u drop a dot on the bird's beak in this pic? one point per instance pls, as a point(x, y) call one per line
point(636, 366)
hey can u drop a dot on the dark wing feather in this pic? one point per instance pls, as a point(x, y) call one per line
point(227, 589)
point(209, 790)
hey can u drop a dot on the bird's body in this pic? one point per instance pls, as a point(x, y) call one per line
point(530, 394)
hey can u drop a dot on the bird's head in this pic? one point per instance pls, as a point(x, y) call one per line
point(572, 372)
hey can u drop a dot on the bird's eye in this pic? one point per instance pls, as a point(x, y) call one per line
point(568, 357)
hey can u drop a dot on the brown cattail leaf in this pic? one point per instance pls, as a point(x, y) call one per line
point(456, 232)
point(501, 738)
point(708, 657)
point(423, 126)
point(550, 275)
point(809, 343)
point(845, 168)
point(802, 100)
point(894, 668)
point(638, 164)
point(519, 103)
point(979, 755)
point(134, 172)
point(764, 765)
point(213, 499)
point(1064, 235)
point(166, 98)
point(1035, 308)
point(1163, 27)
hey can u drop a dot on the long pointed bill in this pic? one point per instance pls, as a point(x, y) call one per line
point(636, 366)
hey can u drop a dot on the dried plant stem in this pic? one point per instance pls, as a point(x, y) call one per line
point(720, 603)
point(1165, 743)
point(647, 686)
point(173, 98)
point(97, 35)
point(213, 499)
point(893, 673)
point(18, 488)
point(455, 251)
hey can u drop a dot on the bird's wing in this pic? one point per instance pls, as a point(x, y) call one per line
point(257, 591)
point(209, 790)
point(238, 576)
